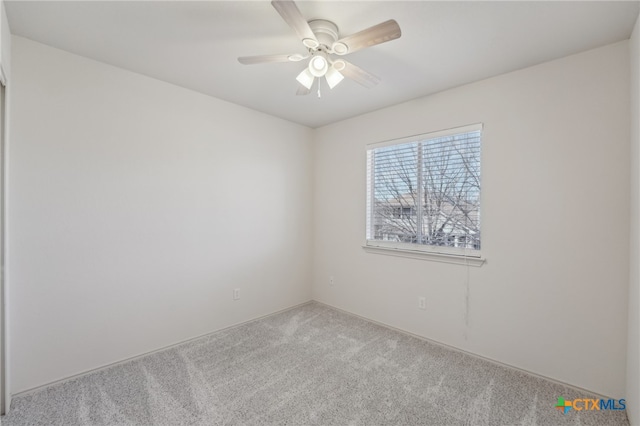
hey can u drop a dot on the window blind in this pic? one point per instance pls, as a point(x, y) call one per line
point(426, 191)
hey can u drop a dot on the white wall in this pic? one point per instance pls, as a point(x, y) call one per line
point(5, 41)
point(136, 207)
point(552, 297)
point(5, 63)
point(633, 350)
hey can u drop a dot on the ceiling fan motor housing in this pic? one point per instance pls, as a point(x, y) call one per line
point(325, 31)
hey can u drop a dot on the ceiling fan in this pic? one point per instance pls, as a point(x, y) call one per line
point(322, 40)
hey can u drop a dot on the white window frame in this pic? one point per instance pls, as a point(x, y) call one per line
point(455, 255)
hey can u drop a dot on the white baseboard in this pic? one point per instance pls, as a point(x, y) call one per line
point(453, 348)
point(133, 358)
point(417, 336)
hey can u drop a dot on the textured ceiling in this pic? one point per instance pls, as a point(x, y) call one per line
point(443, 44)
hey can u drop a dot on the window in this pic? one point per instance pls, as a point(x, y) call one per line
point(423, 193)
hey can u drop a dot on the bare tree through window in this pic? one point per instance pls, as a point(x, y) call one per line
point(427, 192)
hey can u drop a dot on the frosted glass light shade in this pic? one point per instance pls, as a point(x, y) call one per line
point(305, 78)
point(333, 77)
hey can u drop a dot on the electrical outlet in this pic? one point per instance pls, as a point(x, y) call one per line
point(422, 302)
point(236, 293)
point(332, 281)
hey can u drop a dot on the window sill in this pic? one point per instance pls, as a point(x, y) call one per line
point(426, 255)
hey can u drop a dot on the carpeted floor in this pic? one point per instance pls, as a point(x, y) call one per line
point(308, 366)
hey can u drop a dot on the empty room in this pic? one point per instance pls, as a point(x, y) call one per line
point(319, 213)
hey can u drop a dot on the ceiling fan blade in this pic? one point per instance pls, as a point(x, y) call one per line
point(292, 16)
point(261, 59)
point(381, 33)
point(359, 75)
point(302, 90)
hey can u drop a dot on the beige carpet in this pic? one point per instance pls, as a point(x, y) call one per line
point(311, 365)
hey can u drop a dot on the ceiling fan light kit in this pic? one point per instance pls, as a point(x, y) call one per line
point(322, 39)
